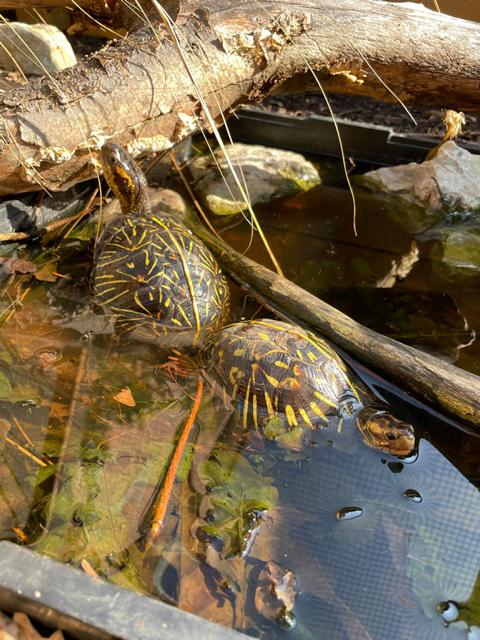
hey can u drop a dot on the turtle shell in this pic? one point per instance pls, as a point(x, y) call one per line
point(159, 280)
point(271, 368)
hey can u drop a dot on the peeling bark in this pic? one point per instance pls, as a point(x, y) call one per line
point(99, 7)
point(137, 91)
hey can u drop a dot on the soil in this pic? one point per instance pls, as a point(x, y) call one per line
point(360, 109)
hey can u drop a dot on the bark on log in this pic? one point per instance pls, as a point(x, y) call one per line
point(99, 7)
point(438, 382)
point(138, 91)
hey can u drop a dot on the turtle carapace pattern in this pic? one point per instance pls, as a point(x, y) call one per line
point(151, 273)
point(271, 368)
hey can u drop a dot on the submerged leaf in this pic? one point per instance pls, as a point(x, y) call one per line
point(47, 272)
point(235, 501)
point(17, 265)
point(5, 387)
point(275, 591)
point(125, 397)
point(22, 629)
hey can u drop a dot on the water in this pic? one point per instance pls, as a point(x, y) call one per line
point(363, 545)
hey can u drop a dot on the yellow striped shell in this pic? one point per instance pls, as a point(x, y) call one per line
point(159, 280)
point(273, 368)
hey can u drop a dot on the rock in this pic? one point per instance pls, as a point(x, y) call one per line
point(269, 173)
point(447, 182)
point(35, 48)
point(459, 247)
point(27, 214)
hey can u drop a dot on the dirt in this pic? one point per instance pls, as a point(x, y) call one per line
point(360, 109)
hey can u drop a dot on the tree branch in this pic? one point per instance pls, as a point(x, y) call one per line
point(99, 7)
point(137, 90)
point(427, 377)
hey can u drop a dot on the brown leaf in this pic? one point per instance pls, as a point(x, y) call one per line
point(46, 273)
point(125, 397)
point(17, 265)
point(276, 590)
point(88, 569)
point(4, 429)
point(28, 632)
point(59, 410)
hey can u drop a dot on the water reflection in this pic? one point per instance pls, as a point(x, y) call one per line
point(379, 547)
point(386, 574)
point(385, 277)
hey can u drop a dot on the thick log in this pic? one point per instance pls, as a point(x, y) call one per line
point(137, 90)
point(99, 7)
point(438, 382)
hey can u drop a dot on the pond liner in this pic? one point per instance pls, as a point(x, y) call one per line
point(316, 135)
point(60, 596)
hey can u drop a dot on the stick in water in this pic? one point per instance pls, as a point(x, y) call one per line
point(166, 492)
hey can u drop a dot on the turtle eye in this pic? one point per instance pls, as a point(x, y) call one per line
point(113, 160)
point(391, 436)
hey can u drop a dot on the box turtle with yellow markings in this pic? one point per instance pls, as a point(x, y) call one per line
point(274, 369)
point(159, 281)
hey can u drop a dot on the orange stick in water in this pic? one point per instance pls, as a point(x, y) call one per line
point(166, 492)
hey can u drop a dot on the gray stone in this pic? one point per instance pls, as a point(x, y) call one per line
point(269, 173)
point(35, 48)
point(450, 181)
point(459, 247)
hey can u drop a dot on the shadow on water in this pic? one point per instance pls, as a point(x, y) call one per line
point(363, 545)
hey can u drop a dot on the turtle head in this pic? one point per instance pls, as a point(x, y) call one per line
point(382, 431)
point(125, 178)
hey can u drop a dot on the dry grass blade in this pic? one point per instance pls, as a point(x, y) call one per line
point(389, 89)
point(170, 25)
point(25, 452)
point(187, 186)
point(329, 106)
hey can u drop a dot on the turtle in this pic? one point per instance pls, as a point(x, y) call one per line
point(269, 368)
point(161, 283)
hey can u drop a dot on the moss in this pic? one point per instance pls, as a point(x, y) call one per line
point(299, 182)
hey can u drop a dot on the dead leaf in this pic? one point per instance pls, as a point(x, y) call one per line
point(59, 410)
point(4, 429)
point(26, 631)
point(276, 590)
point(88, 569)
point(46, 273)
point(125, 397)
point(21, 535)
point(17, 265)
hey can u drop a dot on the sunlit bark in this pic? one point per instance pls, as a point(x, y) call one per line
point(138, 90)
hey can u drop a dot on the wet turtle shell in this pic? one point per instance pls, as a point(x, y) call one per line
point(271, 368)
point(151, 273)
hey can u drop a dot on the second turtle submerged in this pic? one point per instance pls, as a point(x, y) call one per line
point(274, 369)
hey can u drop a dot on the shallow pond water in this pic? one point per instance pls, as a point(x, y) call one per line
point(367, 546)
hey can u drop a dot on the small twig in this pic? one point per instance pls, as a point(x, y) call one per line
point(22, 431)
point(196, 203)
point(17, 302)
point(166, 492)
point(26, 452)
